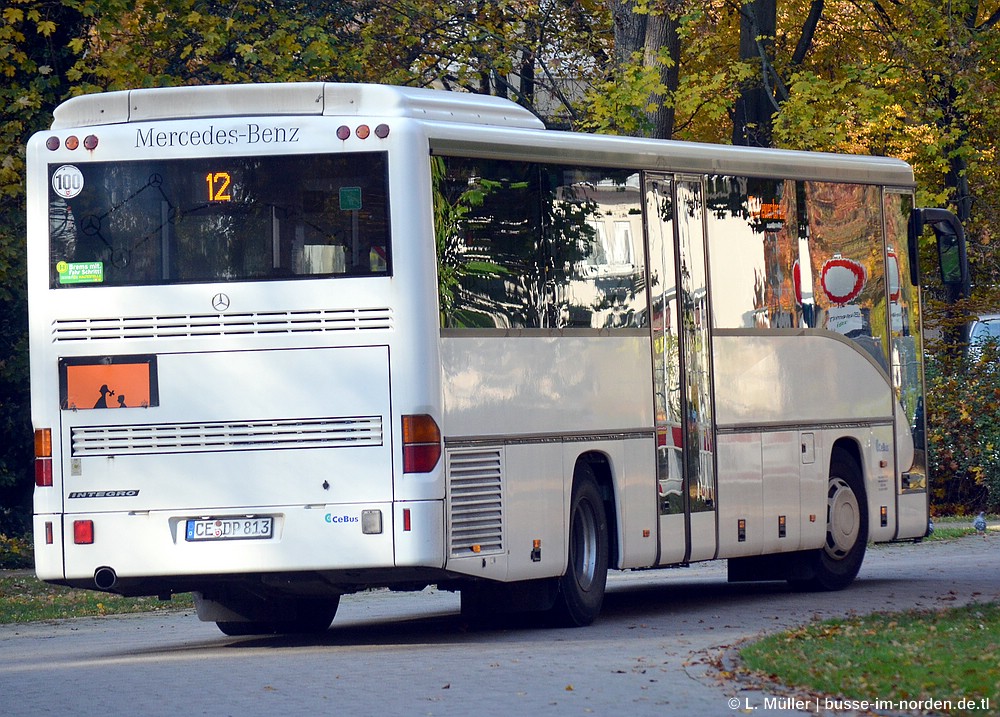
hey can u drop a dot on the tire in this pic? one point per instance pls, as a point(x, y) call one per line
point(837, 563)
point(302, 617)
point(581, 588)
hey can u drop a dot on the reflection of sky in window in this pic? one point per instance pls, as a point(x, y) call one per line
point(738, 267)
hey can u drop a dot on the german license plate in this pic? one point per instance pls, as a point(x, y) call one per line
point(261, 528)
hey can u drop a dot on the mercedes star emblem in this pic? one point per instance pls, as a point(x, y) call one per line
point(220, 302)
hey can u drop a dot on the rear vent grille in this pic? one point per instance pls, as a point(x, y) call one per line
point(475, 500)
point(226, 436)
point(190, 325)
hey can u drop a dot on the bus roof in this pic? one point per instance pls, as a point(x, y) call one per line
point(472, 125)
point(293, 98)
point(670, 156)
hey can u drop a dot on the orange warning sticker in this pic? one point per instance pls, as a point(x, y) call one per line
point(109, 382)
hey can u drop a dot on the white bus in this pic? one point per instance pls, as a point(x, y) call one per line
point(293, 341)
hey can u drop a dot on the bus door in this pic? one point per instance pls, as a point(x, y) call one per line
point(682, 369)
point(906, 354)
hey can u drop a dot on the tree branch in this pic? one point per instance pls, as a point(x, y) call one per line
point(808, 32)
point(990, 22)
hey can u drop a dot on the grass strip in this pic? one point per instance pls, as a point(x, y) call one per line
point(918, 655)
point(25, 598)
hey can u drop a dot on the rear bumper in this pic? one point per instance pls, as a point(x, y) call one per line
point(314, 538)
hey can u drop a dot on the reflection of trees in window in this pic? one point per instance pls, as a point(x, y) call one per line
point(694, 321)
point(122, 214)
point(517, 244)
point(904, 323)
point(163, 222)
point(62, 235)
point(456, 265)
point(845, 222)
point(488, 229)
point(763, 231)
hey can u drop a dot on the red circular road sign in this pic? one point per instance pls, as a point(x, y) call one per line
point(843, 279)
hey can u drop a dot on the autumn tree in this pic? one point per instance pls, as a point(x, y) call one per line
point(34, 59)
point(538, 53)
point(947, 56)
point(169, 42)
point(637, 95)
point(765, 90)
point(915, 80)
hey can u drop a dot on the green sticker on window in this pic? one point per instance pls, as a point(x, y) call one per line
point(350, 199)
point(85, 272)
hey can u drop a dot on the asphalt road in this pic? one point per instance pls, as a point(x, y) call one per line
point(655, 650)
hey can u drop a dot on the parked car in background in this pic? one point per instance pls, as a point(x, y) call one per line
point(983, 329)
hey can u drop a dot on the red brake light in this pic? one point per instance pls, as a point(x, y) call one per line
point(43, 472)
point(43, 457)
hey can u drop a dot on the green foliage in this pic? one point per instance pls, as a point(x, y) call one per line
point(619, 104)
point(850, 112)
point(963, 400)
point(16, 553)
point(154, 43)
point(24, 598)
point(914, 80)
point(34, 52)
point(453, 266)
point(915, 655)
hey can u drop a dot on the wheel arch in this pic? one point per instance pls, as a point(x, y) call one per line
point(600, 465)
point(852, 448)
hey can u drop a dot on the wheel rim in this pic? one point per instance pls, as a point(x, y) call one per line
point(843, 519)
point(584, 545)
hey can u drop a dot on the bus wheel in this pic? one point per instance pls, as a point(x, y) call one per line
point(302, 617)
point(836, 565)
point(581, 588)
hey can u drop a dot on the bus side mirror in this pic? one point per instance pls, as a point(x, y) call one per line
point(950, 247)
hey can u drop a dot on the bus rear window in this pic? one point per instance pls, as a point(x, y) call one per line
point(218, 219)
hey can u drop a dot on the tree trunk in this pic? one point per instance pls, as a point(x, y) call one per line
point(650, 34)
point(661, 34)
point(629, 29)
point(752, 113)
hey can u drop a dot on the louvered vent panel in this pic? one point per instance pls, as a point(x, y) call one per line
point(191, 325)
point(226, 436)
point(476, 500)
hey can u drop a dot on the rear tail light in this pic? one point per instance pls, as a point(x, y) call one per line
point(421, 444)
point(43, 457)
point(83, 532)
point(43, 443)
point(43, 472)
